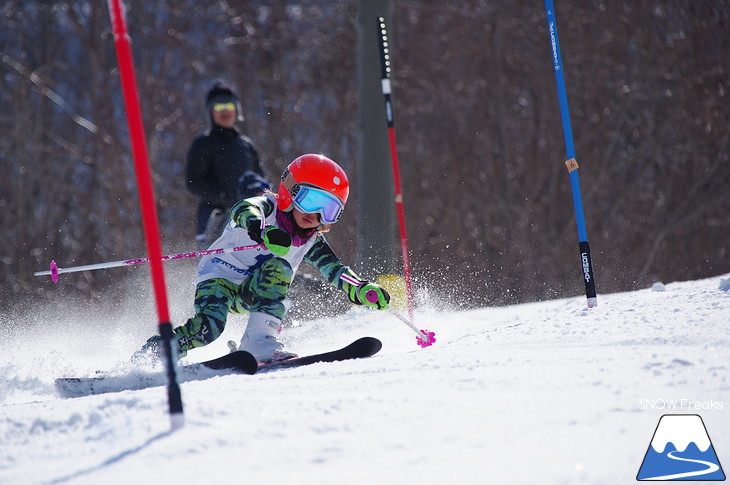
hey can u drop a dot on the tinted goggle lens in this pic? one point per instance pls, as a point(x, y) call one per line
point(218, 107)
point(311, 200)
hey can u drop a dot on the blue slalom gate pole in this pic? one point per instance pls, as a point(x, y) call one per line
point(571, 163)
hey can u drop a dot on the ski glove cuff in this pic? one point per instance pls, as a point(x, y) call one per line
point(276, 240)
point(369, 294)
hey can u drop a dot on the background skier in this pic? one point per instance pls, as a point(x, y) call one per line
point(222, 165)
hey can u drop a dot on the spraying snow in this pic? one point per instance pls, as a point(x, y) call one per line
point(549, 392)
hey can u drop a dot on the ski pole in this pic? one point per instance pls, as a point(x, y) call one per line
point(425, 338)
point(55, 270)
point(385, 84)
point(571, 163)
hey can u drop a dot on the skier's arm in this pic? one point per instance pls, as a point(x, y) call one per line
point(358, 290)
point(250, 214)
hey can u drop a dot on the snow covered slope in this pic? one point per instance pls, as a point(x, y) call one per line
point(541, 393)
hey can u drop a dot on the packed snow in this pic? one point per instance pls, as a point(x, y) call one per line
point(540, 393)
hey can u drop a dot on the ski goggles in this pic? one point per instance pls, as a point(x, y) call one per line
point(218, 107)
point(313, 200)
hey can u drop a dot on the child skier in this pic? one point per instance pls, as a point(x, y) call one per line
point(289, 228)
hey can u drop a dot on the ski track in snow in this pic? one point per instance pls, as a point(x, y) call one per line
point(539, 393)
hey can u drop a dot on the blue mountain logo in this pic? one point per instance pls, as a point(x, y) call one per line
point(681, 450)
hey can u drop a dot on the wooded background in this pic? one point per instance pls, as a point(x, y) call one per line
point(487, 196)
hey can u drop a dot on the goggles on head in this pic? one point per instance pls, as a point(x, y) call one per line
point(313, 200)
point(218, 107)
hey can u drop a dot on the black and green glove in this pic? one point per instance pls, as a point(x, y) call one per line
point(369, 294)
point(276, 240)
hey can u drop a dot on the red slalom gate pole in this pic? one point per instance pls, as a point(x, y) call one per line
point(147, 202)
point(385, 84)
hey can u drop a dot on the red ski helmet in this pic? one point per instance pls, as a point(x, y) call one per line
point(314, 184)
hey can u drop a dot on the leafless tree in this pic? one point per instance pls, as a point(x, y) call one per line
point(487, 196)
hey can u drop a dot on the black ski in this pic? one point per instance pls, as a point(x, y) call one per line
point(242, 361)
point(102, 384)
point(360, 348)
point(235, 362)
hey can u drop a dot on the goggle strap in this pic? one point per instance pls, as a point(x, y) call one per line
point(289, 183)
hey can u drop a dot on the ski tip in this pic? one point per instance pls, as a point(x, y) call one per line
point(371, 343)
point(238, 361)
point(430, 338)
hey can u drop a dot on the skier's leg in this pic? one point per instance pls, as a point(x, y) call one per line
point(263, 295)
point(213, 299)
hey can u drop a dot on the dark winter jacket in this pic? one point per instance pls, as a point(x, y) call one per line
point(215, 163)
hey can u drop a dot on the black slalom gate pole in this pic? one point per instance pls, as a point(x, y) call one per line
point(385, 83)
point(571, 163)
